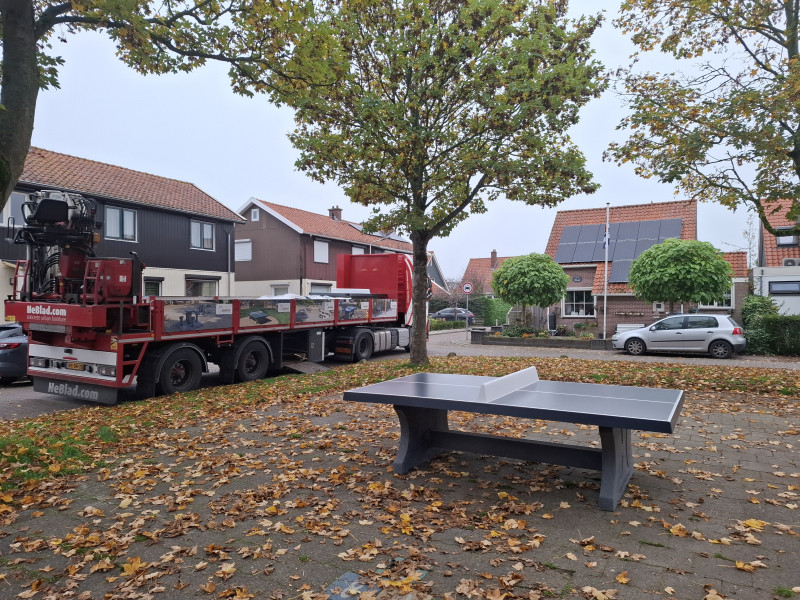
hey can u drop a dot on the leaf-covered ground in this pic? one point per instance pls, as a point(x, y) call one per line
point(280, 489)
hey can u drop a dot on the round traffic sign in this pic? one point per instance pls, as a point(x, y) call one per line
point(467, 287)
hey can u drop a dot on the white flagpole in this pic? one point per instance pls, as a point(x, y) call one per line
point(605, 275)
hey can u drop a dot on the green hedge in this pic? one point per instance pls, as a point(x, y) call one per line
point(774, 334)
point(439, 325)
point(495, 311)
point(755, 307)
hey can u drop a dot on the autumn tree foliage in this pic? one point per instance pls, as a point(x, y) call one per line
point(680, 271)
point(727, 127)
point(442, 107)
point(532, 280)
point(163, 36)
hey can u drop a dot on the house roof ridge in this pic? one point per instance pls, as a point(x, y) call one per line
point(47, 169)
point(105, 164)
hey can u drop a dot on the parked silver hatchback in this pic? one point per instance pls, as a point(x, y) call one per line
point(718, 335)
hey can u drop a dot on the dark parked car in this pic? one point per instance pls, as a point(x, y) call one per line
point(454, 314)
point(13, 353)
point(718, 335)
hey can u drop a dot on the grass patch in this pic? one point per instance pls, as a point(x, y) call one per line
point(75, 441)
point(784, 592)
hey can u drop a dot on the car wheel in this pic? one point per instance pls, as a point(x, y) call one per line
point(720, 349)
point(7, 380)
point(635, 346)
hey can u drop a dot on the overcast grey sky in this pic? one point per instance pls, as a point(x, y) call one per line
point(191, 127)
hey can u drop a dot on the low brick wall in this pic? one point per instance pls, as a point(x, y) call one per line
point(487, 339)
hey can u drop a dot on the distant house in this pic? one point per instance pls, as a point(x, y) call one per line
point(183, 235)
point(577, 243)
point(281, 249)
point(479, 273)
point(778, 272)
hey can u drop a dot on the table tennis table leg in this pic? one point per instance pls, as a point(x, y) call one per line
point(617, 465)
point(415, 423)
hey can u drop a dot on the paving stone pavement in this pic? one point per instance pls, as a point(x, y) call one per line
point(298, 500)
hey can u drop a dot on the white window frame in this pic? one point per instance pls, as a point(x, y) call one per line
point(277, 287)
point(659, 307)
point(357, 250)
point(255, 214)
point(321, 252)
point(327, 289)
point(727, 303)
point(786, 240)
point(565, 302)
point(155, 282)
point(190, 282)
point(243, 250)
point(122, 223)
point(202, 228)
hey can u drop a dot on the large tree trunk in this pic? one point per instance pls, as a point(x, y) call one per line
point(419, 342)
point(20, 88)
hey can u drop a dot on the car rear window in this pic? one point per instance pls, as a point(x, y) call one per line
point(733, 322)
point(10, 331)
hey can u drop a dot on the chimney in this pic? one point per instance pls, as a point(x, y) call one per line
point(493, 263)
point(335, 213)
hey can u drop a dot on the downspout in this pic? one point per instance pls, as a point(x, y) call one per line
point(230, 273)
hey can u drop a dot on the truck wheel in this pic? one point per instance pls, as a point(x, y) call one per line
point(363, 346)
point(181, 372)
point(7, 380)
point(253, 361)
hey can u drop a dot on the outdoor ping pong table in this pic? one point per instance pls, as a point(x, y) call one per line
point(422, 401)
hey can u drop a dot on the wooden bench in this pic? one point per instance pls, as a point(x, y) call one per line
point(423, 400)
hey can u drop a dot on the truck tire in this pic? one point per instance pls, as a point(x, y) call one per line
point(253, 362)
point(363, 346)
point(181, 372)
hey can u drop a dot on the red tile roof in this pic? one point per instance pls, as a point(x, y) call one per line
point(51, 170)
point(323, 225)
point(682, 209)
point(479, 273)
point(738, 262)
point(772, 255)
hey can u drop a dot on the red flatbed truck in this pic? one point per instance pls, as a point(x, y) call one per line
point(92, 333)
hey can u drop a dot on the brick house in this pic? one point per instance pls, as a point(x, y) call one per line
point(183, 235)
point(286, 250)
point(479, 272)
point(778, 272)
point(576, 243)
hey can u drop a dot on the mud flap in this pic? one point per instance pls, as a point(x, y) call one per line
point(78, 390)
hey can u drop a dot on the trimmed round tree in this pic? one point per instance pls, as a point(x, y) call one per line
point(680, 271)
point(531, 280)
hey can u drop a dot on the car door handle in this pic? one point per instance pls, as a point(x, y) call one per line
point(678, 333)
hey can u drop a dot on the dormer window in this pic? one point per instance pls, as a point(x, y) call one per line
point(790, 239)
point(254, 214)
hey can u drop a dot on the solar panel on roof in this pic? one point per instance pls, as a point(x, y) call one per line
point(643, 245)
point(648, 230)
point(670, 228)
point(590, 233)
point(628, 231)
point(584, 243)
point(565, 252)
point(625, 250)
point(570, 233)
point(619, 271)
point(600, 253)
point(584, 252)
